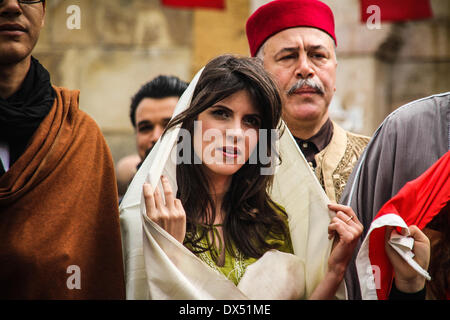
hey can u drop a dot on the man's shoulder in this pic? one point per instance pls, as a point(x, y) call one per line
point(418, 108)
point(354, 139)
point(67, 93)
point(356, 143)
point(71, 98)
point(357, 137)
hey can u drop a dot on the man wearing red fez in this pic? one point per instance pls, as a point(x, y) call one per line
point(296, 41)
point(59, 219)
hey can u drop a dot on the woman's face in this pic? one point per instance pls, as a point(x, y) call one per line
point(226, 134)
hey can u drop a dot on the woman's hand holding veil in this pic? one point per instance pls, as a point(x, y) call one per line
point(169, 215)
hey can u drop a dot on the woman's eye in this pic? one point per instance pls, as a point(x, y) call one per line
point(253, 122)
point(219, 113)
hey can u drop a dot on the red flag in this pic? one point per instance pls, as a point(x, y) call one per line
point(396, 10)
point(218, 4)
point(416, 204)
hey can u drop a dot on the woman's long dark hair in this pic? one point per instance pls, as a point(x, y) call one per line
point(250, 214)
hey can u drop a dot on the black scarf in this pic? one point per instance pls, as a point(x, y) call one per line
point(22, 113)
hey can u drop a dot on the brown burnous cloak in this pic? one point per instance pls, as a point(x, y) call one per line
point(59, 221)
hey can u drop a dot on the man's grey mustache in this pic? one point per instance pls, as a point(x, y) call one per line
point(306, 83)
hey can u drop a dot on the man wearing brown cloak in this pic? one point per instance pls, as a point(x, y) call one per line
point(59, 221)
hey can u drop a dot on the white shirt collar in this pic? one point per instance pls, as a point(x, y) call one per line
point(4, 155)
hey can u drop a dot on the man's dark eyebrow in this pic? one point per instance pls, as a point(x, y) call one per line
point(287, 50)
point(317, 47)
point(296, 49)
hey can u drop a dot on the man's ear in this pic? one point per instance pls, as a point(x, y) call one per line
point(335, 75)
point(43, 15)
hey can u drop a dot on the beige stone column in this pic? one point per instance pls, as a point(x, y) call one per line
point(120, 46)
point(217, 32)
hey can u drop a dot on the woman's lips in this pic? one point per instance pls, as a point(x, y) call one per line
point(232, 152)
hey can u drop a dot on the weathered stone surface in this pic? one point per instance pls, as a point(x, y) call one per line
point(220, 31)
point(382, 94)
point(121, 45)
point(121, 144)
point(119, 23)
point(441, 9)
point(414, 80)
point(63, 36)
point(142, 23)
point(353, 102)
point(179, 23)
point(108, 80)
point(426, 39)
point(51, 61)
point(358, 39)
point(124, 43)
point(353, 36)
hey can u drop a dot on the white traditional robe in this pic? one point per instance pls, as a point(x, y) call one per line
point(159, 267)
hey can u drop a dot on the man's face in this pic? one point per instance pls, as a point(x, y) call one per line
point(152, 116)
point(20, 25)
point(303, 54)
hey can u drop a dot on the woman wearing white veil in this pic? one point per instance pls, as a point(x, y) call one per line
point(228, 236)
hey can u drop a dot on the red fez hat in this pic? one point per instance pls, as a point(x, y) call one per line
point(278, 15)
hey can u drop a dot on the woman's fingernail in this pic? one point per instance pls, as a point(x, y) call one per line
point(147, 187)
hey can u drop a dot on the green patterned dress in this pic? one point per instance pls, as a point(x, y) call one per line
point(234, 267)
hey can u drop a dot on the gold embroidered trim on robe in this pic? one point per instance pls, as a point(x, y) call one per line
point(335, 163)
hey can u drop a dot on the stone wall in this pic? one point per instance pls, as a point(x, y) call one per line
point(217, 32)
point(124, 43)
point(382, 69)
point(121, 45)
point(421, 65)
